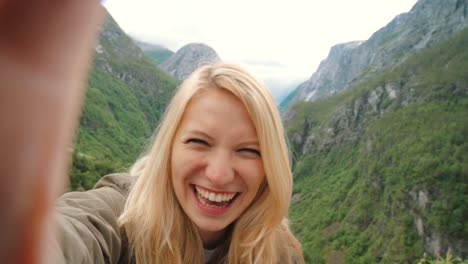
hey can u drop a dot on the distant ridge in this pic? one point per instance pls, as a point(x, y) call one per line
point(188, 58)
point(157, 53)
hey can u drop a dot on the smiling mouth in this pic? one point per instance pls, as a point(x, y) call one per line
point(214, 200)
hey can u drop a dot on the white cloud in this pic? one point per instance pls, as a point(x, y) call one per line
point(278, 39)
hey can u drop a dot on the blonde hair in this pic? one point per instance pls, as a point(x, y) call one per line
point(158, 229)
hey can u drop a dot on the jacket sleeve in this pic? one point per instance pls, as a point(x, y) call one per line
point(87, 222)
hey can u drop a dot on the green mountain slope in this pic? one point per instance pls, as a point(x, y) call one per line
point(155, 52)
point(381, 171)
point(126, 96)
point(159, 56)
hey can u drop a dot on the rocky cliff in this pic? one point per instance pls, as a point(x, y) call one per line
point(189, 58)
point(428, 22)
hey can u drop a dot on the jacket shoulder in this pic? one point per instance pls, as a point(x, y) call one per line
point(87, 221)
point(121, 182)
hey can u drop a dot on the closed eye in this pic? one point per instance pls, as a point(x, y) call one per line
point(197, 141)
point(251, 150)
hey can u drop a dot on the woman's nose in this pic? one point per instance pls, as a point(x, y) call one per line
point(220, 170)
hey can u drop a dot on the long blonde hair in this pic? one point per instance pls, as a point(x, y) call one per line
point(159, 231)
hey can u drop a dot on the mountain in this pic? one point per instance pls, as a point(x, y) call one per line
point(380, 167)
point(156, 52)
point(126, 95)
point(428, 22)
point(189, 58)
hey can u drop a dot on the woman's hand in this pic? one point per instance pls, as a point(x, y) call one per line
point(45, 52)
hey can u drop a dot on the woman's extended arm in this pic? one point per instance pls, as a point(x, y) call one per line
point(45, 50)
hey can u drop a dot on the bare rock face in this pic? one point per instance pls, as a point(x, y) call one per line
point(188, 58)
point(428, 22)
point(333, 73)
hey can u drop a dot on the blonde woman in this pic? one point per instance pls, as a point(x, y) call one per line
point(214, 187)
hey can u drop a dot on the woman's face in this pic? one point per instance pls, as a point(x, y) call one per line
point(216, 163)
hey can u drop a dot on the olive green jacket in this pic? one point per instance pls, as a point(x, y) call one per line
point(87, 223)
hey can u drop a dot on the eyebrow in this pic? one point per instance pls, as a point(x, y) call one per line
point(199, 133)
point(250, 143)
point(205, 135)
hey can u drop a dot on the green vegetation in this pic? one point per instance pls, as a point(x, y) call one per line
point(86, 171)
point(359, 199)
point(126, 96)
point(112, 125)
point(449, 259)
point(286, 103)
point(115, 125)
point(159, 56)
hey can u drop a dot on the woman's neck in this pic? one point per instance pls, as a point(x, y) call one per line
point(212, 239)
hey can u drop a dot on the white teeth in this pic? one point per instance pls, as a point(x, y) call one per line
point(214, 197)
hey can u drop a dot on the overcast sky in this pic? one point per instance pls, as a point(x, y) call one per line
point(280, 41)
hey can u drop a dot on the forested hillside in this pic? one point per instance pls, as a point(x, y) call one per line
point(125, 98)
point(381, 171)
